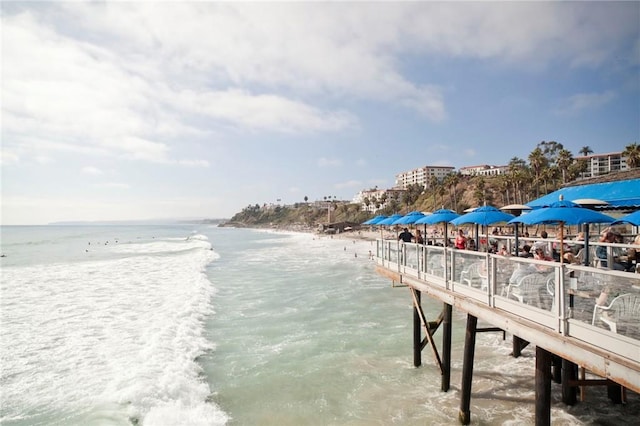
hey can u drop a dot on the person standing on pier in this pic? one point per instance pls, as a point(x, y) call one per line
point(461, 240)
point(405, 236)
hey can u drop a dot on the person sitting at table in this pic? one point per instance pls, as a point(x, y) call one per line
point(503, 251)
point(601, 252)
point(570, 258)
point(526, 251)
point(633, 255)
point(544, 245)
point(579, 243)
point(539, 254)
point(471, 244)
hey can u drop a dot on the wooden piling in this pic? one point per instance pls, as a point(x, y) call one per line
point(569, 377)
point(544, 359)
point(467, 370)
point(417, 335)
point(446, 348)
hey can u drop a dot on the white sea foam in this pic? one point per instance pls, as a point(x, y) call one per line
point(105, 341)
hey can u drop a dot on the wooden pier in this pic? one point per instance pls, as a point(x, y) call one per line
point(555, 309)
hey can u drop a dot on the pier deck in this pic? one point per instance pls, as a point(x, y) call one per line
point(554, 308)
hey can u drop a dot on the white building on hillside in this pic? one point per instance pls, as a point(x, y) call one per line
point(602, 164)
point(373, 200)
point(483, 170)
point(422, 176)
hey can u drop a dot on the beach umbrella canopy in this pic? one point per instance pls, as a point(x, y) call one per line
point(515, 209)
point(409, 218)
point(562, 213)
point(439, 216)
point(632, 218)
point(485, 216)
point(374, 220)
point(389, 220)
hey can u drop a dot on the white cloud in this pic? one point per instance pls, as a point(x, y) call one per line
point(329, 162)
point(348, 184)
point(114, 185)
point(194, 163)
point(90, 170)
point(261, 112)
point(584, 101)
point(8, 158)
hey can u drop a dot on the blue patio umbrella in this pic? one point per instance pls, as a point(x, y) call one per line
point(374, 220)
point(482, 216)
point(562, 213)
point(439, 216)
point(485, 216)
point(409, 218)
point(389, 221)
point(632, 218)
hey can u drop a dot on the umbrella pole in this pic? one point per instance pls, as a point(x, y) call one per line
point(561, 242)
point(517, 249)
point(587, 261)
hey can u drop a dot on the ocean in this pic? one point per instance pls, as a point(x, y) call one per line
point(203, 325)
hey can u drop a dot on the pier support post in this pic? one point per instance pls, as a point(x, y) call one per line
point(417, 335)
point(446, 348)
point(544, 360)
point(569, 376)
point(467, 370)
point(518, 345)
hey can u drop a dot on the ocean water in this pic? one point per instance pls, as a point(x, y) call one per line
point(195, 325)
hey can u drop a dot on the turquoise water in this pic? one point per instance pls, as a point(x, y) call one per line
point(188, 325)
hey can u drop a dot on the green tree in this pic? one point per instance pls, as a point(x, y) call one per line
point(480, 191)
point(585, 150)
point(632, 154)
point(564, 162)
point(537, 161)
point(451, 181)
point(433, 187)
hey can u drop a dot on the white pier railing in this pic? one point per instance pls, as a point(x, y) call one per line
point(595, 311)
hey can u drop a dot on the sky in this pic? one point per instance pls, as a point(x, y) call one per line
point(154, 110)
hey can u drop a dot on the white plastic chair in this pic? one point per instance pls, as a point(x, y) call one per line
point(527, 289)
point(471, 276)
point(623, 310)
point(435, 265)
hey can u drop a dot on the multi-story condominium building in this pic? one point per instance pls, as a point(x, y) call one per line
point(602, 164)
point(373, 200)
point(483, 170)
point(422, 176)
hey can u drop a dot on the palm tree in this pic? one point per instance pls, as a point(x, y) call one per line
point(564, 161)
point(433, 186)
point(632, 153)
point(585, 150)
point(451, 181)
point(537, 161)
point(479, 192)
point(503, 187)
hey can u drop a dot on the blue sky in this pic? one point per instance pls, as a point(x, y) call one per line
point(148, 110)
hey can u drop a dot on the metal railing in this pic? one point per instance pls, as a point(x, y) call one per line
point(597, 306)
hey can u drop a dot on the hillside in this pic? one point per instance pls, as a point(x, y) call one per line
point(468, 192)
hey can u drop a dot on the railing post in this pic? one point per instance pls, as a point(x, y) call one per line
point(561, 301)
